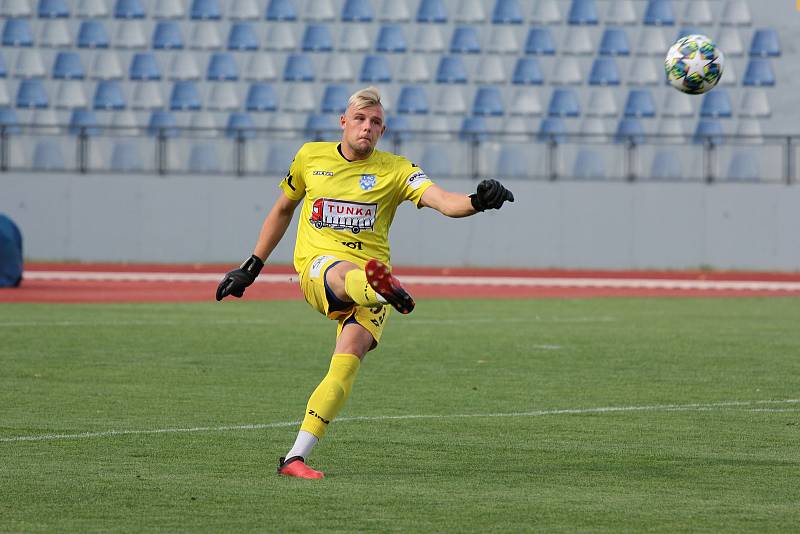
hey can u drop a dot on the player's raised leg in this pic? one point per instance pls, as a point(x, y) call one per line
point(381, 279)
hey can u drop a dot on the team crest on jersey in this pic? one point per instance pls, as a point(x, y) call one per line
point(368, 181)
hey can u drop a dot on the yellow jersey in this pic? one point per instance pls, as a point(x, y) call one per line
point(349, 205)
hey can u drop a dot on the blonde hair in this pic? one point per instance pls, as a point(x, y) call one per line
point(364, 98)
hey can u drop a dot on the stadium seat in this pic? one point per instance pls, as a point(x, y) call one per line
point(31, 93)
point(677, 104)
point(54, 33)
point(130, 34)
point(577, 41)
point(525, 102)
point(629, 130)
point(394, 11)
point(222, 97)
point(168, 9)
point(298, 98)
point(46, 121)
point(473, 129)
point(128, 9)
point(147, 95)
point(451, 69)
point(490, 70)
point(203, 158)
point(68, 66)
point(765, 43)
point(339, 69)
point(126, 157)
point(527, 72)
point(261, 68)
point(735, 13)
point(755, 104)
point(645, 73)
point(29, 64)
point(503, 40)
point(167, 36)
point(428, 39)
point(205, 36)
point(414, 68)
point(432, 11)
point(317, 38)
point(412, 100)
point(564, 103)
point(124, 123)
point(698, 12)
point(92, 34)
point(184, 67)
point(390, 39)
point(465, 40)
point(640, 103)
point(184, 96)
point(716, 103)
point(17, 32)
point(334, 98)
point(320, 127)
point(469, 11)
point(593, 126)
point(261, 97)
point(667, 165)
point(281, 37)
point(450, 101)
point(507, 12)
point(513, 161)
point(3, 69)
point(144, 67)
point(71, 95)
point(8, 120)
point(298, 68)
point(621, 12)
point(614, 43)
point(108, 95)
point(106, 67)
point(589, 164)
point(53, 9)
point(708, 131)
point(583, 12)
point(488, 101)
point(604, 72)
point(83, 122)
point(566, 71)
point(659, 13)
point(744, 167)
point(375, 68)
point(552, 130)
point(162, 124)
point(357, 11)
point(750, 130)
point(546, 12)
point(674, 128)
point(730, 41)
point(759, 73)
point(355, 39)
point(222, 67)
point(281, 10)
point(398, 128)
point(242, 37)
point(249, 10)
point(48, 156)
point(5, 98)
point(16, 8)
point(92, 9)
point(729, 76)
point(540, 42)
point(205, 10)
point(652, 41)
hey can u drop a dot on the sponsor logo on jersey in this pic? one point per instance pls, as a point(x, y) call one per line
point(367, 181)
point(417, 179)
point(322, 173)
point(343, 215)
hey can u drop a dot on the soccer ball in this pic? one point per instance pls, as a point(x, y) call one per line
point(694, 64)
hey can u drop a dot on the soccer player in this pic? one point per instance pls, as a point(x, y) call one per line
point(350, 192)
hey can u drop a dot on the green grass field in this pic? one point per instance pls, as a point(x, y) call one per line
point(687, 444)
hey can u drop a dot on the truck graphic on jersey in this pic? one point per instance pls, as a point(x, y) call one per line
point(343, 215)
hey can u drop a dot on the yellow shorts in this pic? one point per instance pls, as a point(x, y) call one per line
point(312, 282)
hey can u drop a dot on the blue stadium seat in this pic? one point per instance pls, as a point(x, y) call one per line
point(614, 43)
point(48, 156)
point(185, 96)
point(203, 158)
point(126, 157)
point(540, 42)
point(413, 100)
point(317, 38)
point(240, 125)
point(32, 94)
point(640, 103)
point(205, 10)
point(320, 127)
point(582, 12)
point(667, 165)
point(590, 164)
point(92, 34)
point(432, 11)
point(507, 12)
point(391, 39)
point(527, 72)
point(129, 9)
point(53, 9)
point(465, 41)
point(242, 37)
point(473, 129)
point(167, 36)
point(83, 122)
point(744, 167)
point(68, 66)
point(398, 128)
point(765, 43)
point(630, 130)
point(144, 67)
point(8, 120)
point(708, 131)
point(261, 97)
point(298, 69)
point(552, 129)
point(357, 11)
point(375, 69)
point(3, 70)
point(659, 13)
point(162, 124)
point(451, 69)
point(281, 10)
point(17, 32)
point(716, 103)
point(564, 103)
point(108, 95)
point(488, 101)
point(334, 99)
point(222, 67)
point(604, 72)
point(759, 73)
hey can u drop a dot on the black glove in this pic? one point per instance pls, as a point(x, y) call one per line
point(490, 196)
point(237, 280)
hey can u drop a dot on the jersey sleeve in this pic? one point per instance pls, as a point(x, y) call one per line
point(414, 181)
point(294, 185)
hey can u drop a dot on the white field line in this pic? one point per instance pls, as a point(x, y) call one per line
point(537, 413)
point(514, 281)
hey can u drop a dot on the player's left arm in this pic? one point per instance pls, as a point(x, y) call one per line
point(490, 194)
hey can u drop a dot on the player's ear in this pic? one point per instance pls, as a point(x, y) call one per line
point(342, 120)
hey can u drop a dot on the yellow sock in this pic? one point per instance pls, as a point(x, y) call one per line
point(357, 288)
point(331, 394)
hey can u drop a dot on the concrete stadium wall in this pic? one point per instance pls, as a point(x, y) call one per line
point(135, 218)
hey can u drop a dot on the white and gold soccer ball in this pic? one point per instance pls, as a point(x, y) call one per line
point(694, 64)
